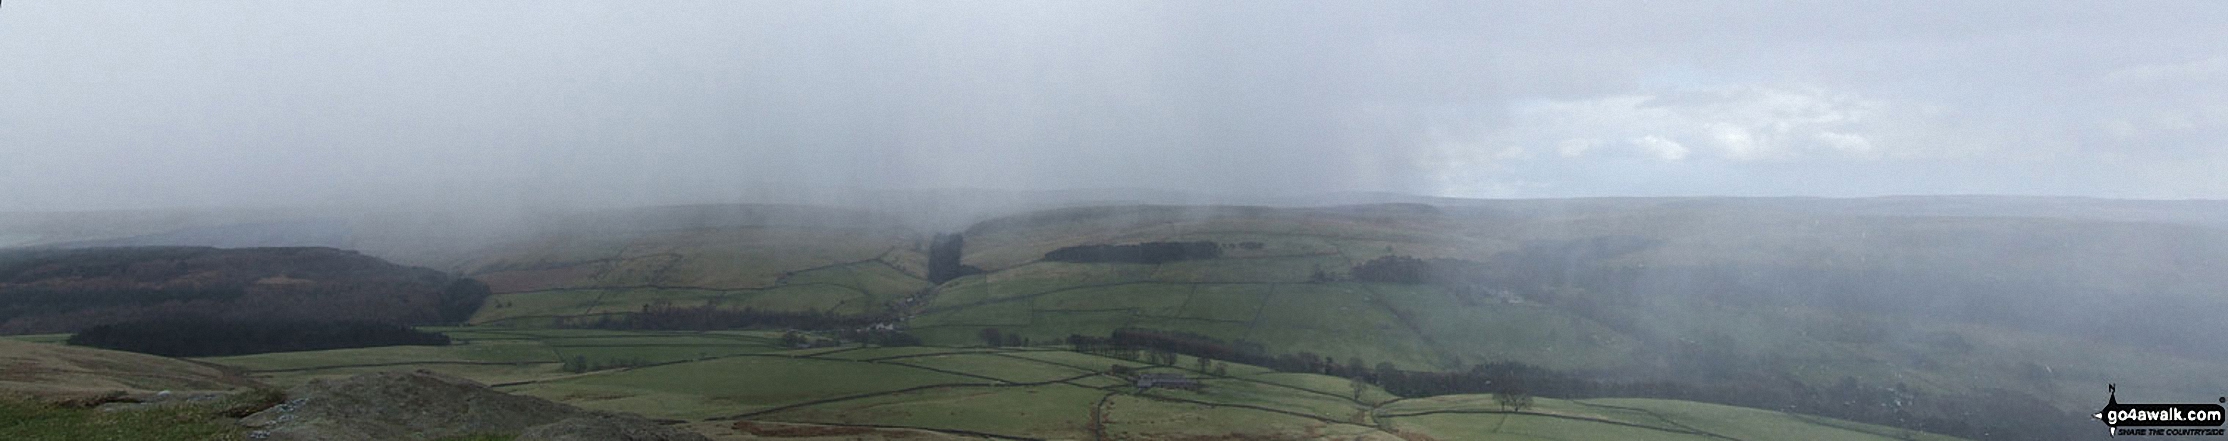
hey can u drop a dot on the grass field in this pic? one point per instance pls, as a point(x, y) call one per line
point(502, 355)
point(1409, 326)
point(28, 421)
point(1262, 294)
point(1011, 393)
point(716, 258)
point(843, 288)
point(1478, 417)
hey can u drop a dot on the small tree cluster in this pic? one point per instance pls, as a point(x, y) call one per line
point(580, 363)
point(1161, 357)
point(203, 336)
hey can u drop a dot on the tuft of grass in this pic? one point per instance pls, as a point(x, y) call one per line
point(240, 405)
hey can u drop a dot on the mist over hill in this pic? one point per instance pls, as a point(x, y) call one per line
point(1933, 301)
point(1394, 220)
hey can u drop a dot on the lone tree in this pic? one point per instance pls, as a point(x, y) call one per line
point(992, 338)
point(1513, 400)
point(1358, 385)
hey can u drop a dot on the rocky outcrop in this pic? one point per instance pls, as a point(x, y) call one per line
point(424, 405)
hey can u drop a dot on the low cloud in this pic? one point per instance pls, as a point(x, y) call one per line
point(355, 103)
point(1748, 123)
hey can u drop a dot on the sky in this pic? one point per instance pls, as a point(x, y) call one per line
point(155, 104)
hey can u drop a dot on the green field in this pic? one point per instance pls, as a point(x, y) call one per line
point(1262, 294)
point(502, 355)
point(1478, 417)
point(1036, 392)
point(1409, 326)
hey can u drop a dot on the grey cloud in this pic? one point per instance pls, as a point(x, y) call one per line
point(127, 105)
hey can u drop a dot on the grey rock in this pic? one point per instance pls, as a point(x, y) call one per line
point(420, 405)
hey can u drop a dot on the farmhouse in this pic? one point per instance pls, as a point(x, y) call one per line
point(1169, 380)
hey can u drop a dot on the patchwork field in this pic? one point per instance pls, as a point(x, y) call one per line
point(1410, 326)
point(729, 383)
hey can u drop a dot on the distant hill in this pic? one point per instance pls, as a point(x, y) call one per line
point(1906, 306)
point(47, 291)
point(783, 258)
point(299, 233)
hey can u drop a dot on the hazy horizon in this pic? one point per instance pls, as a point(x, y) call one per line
point(108, 106)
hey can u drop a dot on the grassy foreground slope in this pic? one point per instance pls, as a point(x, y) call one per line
point(54, 371)
point(743, 385)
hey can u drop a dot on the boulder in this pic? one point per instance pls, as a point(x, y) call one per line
point(420, 405)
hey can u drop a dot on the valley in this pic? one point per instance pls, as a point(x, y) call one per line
point(1660, 319)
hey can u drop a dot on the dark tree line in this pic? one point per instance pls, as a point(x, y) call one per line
point(69, 290)
point(1393, 269)
point(208, 336)
point(1148, 252)
point(943, 258)
point(581, 363)
point(877, 337)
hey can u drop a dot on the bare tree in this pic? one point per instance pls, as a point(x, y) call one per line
point(1514, 401)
